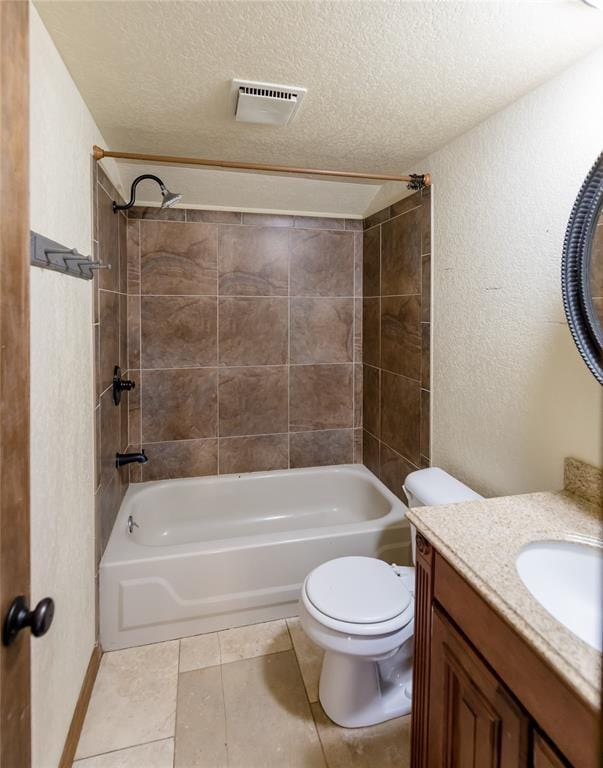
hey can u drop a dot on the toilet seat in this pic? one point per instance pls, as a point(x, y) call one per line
point(359, 596)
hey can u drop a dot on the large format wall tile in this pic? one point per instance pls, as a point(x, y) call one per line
point(179, 404)
point(254, 261)
point(254, 454)
point(322, 263)
point(258, 296)
point(371, 333)
point(401, 255)
point(320, 397)
point(182, 458)
point(322, 330)
point(371, 393)
point(111, 348)
point(322, 448)
point(253, 331)
point(176, 259)
point(393, 470)
point(253, 400)
point(401, 415)
point(109, 338)
point(108, 240)
point(371, 262)
point(401, 335)
point(179, 331)
point(396, 340)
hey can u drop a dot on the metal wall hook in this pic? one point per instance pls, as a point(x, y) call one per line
point(97, 265)
point(50, 255)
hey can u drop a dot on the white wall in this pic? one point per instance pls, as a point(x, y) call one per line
point(511, 395)
point(62, 501)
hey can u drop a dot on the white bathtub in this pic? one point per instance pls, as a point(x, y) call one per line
point(218, 552)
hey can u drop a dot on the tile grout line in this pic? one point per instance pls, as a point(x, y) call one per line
point(139, 281)
point(354, 256)
point(289, 350)
point(176, 712)
point(218, 430)
point(223, 699)
point(121, 749)
point(299, 669)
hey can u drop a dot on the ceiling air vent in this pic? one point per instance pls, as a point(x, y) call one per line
point(266, 102)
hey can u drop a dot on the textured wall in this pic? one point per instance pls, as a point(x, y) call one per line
point(62, 505)
point(244, 339)
point(396, 339)
point(512, 396)
point(62, 513)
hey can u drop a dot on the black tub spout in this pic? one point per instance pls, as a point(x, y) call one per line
point(121, 459)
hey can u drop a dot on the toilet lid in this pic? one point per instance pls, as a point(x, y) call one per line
point(359, 590)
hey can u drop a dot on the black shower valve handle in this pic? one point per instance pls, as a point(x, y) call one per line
point(120, 385)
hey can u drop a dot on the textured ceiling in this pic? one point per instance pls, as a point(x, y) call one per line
point(388, 83)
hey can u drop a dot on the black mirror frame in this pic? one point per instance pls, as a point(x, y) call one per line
point(575, 271)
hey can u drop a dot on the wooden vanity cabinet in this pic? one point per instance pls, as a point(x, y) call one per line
point(482, 698)
point(473, 720)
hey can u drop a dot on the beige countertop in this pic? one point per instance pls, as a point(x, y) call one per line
point(481, 539)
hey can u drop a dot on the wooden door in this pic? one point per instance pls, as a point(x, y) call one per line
point(473, 722)
point(15, 750)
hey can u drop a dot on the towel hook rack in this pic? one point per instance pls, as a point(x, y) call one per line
point(48, 254)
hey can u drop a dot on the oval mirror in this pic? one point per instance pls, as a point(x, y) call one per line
point(582, 271)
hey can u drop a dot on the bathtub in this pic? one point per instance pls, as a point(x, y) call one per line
point(210, 553)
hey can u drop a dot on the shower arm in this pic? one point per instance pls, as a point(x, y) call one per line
point(135, 183)
point(415, 181)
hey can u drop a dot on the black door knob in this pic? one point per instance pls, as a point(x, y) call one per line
point(19, 616)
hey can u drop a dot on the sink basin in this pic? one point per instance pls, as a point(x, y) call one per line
point(566, 577)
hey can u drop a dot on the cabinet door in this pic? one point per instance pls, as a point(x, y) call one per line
point(474, 721)
point(544, 756)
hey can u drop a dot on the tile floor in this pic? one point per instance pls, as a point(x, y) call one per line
point(241, 698)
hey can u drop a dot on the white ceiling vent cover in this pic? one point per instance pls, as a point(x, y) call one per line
point(266, 103)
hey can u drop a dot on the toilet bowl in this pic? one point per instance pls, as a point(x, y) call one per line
point(360, 610)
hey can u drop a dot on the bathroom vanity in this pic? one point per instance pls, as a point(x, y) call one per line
point(498, 681)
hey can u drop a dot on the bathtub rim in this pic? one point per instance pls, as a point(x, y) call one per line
point(121, 549)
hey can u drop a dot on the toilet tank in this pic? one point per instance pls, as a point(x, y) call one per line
point(432, 486)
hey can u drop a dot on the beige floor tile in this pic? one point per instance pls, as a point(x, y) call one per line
point(268, 719)
point(199, 652)
point(386, 745)
point(309, 657)
point(157, 754)
point(255, 640)
point(133, 701)
point(200, 724)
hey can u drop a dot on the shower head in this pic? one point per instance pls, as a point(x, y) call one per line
point(167, 198)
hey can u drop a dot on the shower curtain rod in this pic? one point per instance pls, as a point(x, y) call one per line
point(414, 180)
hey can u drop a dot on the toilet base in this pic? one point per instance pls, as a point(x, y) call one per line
point(357, 692)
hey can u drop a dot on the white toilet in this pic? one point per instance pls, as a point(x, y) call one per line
point(361, 611)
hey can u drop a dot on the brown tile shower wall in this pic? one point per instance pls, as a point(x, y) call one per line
point(396, 339)
point(244, 334)
point(110, 343)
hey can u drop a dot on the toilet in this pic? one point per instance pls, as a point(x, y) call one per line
point(360, 610)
